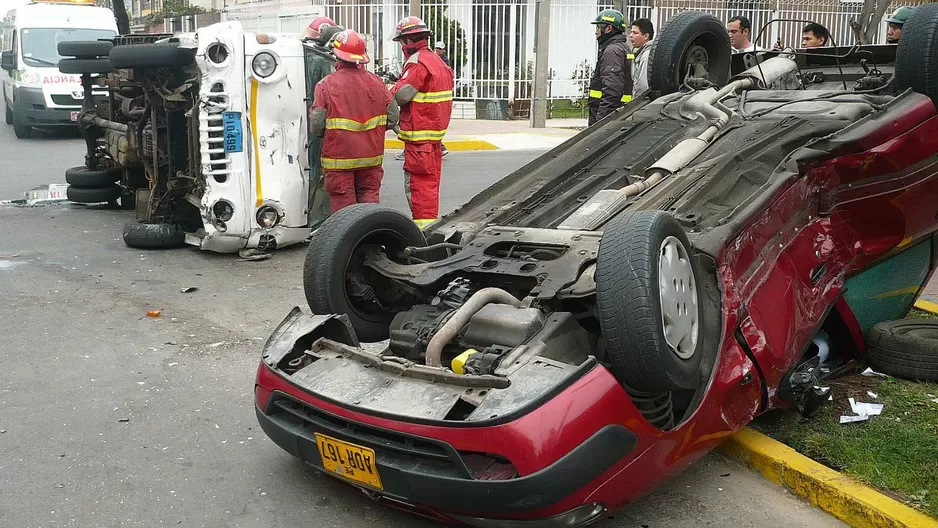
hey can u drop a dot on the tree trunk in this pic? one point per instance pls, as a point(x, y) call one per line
point(873, 24)
point(123, 20)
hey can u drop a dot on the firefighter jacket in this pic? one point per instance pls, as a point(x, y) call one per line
point(355, 105)
point(426, 116)
point(611, 84)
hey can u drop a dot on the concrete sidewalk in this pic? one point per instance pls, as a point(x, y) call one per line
point(479, 134)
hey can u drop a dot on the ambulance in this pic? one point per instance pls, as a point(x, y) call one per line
point(35, 92)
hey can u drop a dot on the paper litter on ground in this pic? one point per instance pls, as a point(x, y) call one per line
point(870, 373)
point(872, 394)
point(862, 410)
point(851, 419)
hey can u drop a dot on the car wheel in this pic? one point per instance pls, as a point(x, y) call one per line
point(85, 49)
point(159, 55)
point(690, 41)
point(647, 299)
point(918, 52)
point(85, 66)
point(90, 195)
point(334, 279)
point(84, 177)
point(20, 129)
point(907, 348)
point(153, 236)
point(9, 114)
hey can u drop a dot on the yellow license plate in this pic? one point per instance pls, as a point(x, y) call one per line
point(350, 461)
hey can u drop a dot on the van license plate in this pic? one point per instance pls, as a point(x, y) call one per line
point(74, 116)
point(233, 135)
point(350, 461)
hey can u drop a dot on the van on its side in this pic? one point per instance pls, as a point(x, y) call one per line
point(35, 92)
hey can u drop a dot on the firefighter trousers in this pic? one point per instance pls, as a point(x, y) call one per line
point(423, 167)
point(355, 186)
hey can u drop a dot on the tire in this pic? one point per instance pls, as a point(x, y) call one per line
point(9, 114)
point(20, 129)
point(92, 195)
point(686, 35)
point(164, 54)
point(85, 49)
point(84, 177)
point(83, 66)
point(153, 236)
point(918, 51)
point(629, 303)
point(907, 348)
point(332, 255)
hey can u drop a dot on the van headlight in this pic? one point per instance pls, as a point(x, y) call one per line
point(268, 216)
point(264, 65)
point(29, 78)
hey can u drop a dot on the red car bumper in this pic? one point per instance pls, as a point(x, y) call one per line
point(560, 464)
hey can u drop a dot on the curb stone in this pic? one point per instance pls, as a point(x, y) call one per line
point(839, 495)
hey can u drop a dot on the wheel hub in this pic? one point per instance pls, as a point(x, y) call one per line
point(678, 294)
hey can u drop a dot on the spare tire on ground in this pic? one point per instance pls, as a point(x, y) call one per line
point(92, 195)
point(907, 348)
point(158, 55)
point(689, 41)
point(154, 236)
point(82, 176)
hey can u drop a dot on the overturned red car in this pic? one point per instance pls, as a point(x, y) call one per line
point(603, 317)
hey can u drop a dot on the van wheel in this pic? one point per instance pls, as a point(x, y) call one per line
point(158, 55)
point(21, 130)
point(91, 195)
point(85, 49)
point(84, 177)
point(9, 114)
point(153, 236)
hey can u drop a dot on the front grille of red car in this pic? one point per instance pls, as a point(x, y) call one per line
point(403, 451)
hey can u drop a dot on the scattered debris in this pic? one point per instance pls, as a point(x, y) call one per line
point(123, 420)
point(170, 343)
point(173, 364)
point(253, 254)
point(872, 394)
point(218, 344)
point(851, 419)
point(189, 289)
point(2, 431)
point(59, 485)
point(9, 256)
point(870, 373)
point(154, 313)
point(869, 409)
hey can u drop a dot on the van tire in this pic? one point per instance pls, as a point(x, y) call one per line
point(93, 195)
point(20, 129)
point(84, 66)
point(153, 236)
point(9, 114)
point(84, 177)
point(85, 49)
point(158, 55)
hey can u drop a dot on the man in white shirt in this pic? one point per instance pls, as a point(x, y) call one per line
point(640, 36)
point(740, 31)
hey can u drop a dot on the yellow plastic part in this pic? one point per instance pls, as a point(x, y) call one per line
point(460, 361)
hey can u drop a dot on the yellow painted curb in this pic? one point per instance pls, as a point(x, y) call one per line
point(928, 306)
point(456, 144)
point(843, 497)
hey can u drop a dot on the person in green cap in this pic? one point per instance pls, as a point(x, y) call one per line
point(611, 84)
point(894, 24)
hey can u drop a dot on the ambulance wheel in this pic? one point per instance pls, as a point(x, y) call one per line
point(20, 129)
point(689, 42)
point(157, 55)
point(83, 66)
point(84, 177)
point(85, 49)
point(92, 195)
point(9, 115)
point(153, 236)
point(335, 279)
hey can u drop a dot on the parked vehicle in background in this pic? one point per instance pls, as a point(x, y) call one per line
point(36, 93)
point(204, 133)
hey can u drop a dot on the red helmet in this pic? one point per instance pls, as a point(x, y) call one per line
point(321, 22)
point(349, 46)
point(409, 26)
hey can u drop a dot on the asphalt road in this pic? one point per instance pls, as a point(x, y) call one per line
point(112, 418)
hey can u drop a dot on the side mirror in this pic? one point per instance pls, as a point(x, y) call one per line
point(7, 61)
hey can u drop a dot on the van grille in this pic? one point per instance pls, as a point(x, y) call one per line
point(215, 161)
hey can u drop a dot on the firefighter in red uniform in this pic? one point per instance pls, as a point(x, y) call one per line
point(425, 95)
point(352, 109)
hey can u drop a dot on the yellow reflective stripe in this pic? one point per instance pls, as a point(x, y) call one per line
point(422, 135)
point(596, 94)
point(340, 123)
point(351, 163)
point(257, 159)
point(626, 98)
point(630, 56)
point(422, 223)
point(433, 97)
